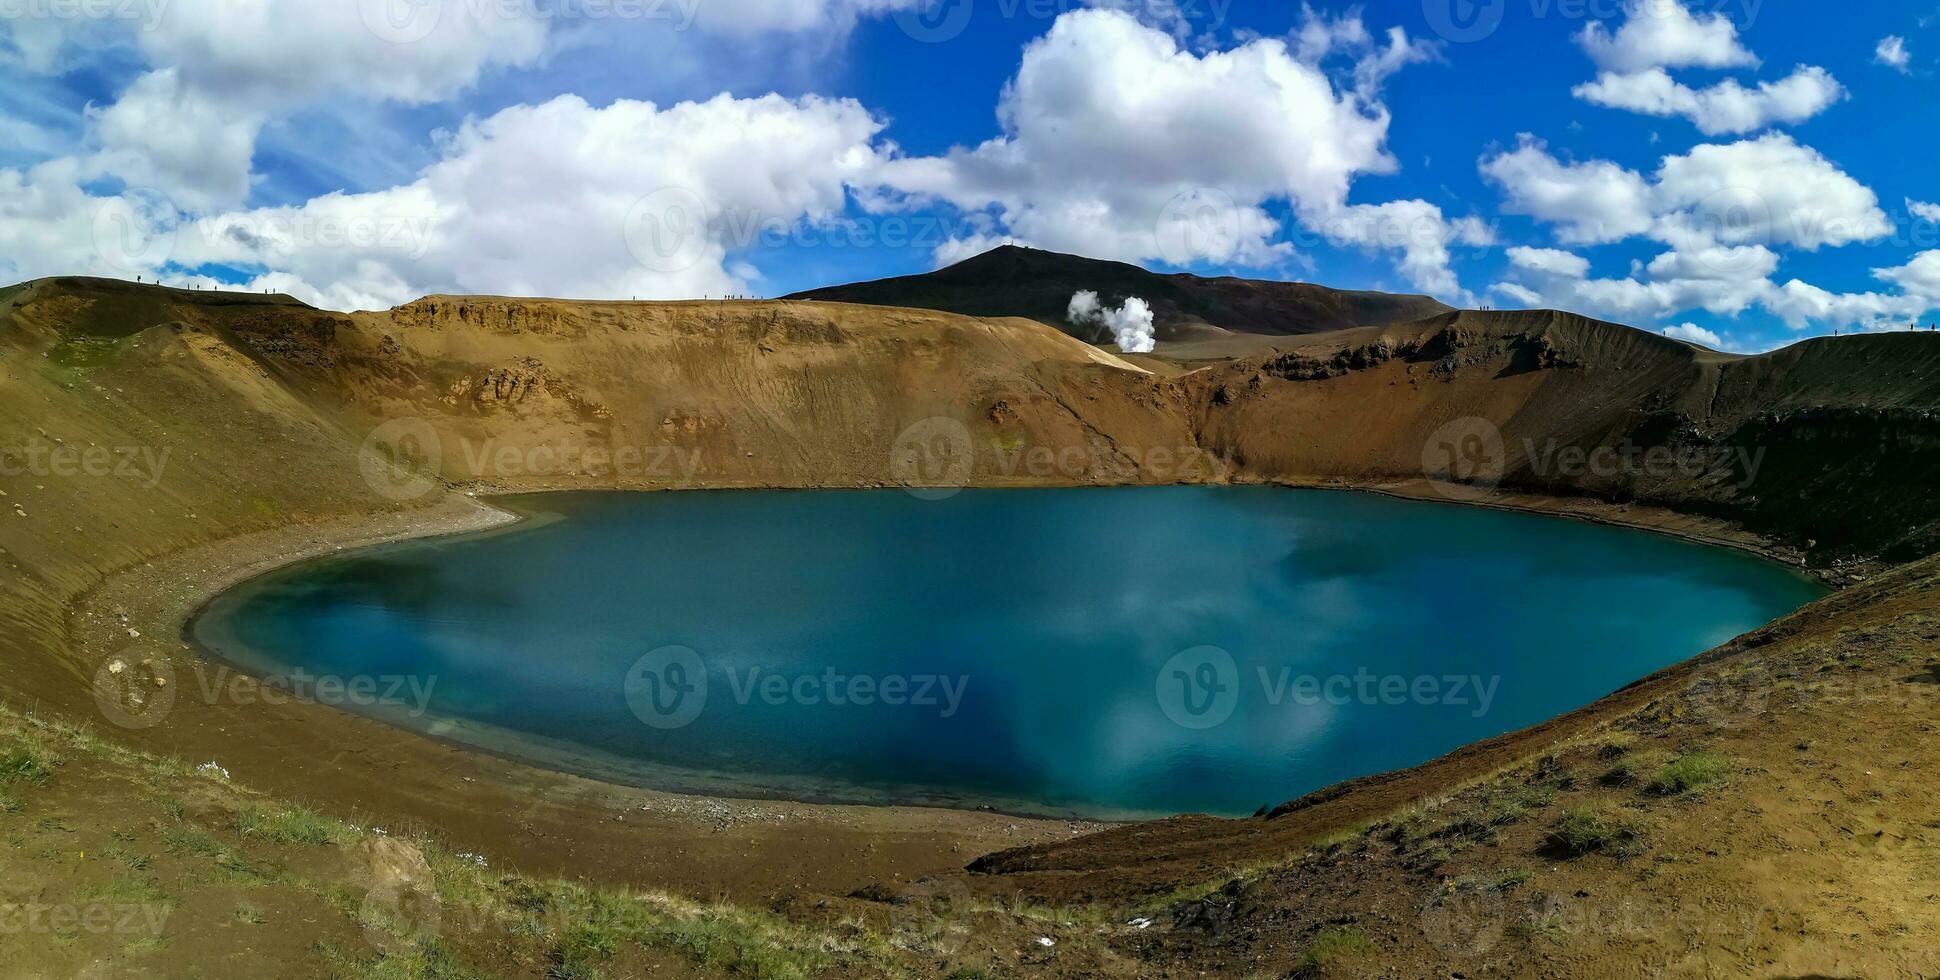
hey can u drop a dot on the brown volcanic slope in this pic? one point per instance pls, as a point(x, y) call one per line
point(269, 414)
point(1014, 281)
point(1827, 444)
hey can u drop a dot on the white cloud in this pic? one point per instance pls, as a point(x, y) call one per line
point(1769, 190)
point(789, 16)
point(1104, 150)
point(185, 141)
point(1107, 122)
point(1680, 283)
point(1726, 107)
point(1419, 232)
point(1918, 277)
point(1802, 304)
point(1924, 210)
point(1718, 263)
point(1892, 53)
point(284, 51)
point(224, 68)
point(1518, 293)
point(1664, 34)
point(1696, 335)
point(957, 248)
point(1590, 203)
point(1549, 261)
point(649, 202)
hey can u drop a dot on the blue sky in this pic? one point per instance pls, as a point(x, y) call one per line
point(1743, 172)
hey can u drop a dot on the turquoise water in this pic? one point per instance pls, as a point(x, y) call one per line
point(1095, 651)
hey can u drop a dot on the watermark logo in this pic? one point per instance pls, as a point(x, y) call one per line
point(836, 689)
point(936, 21)
point(667, 688)
point(932, 459)
point(401, 21)
point(1740, 220)
point(1736, 465)
point(1199, 688)
point(1466, 923)
point(136, 231)
point(1014, 457)
point(1200, 223)
point(1464, 458)
point(399, 917)
point(1469, 21)
point(135, 690)
point(667, 230)
point(400, 459)
point(1731, 701)
point(1464, 21)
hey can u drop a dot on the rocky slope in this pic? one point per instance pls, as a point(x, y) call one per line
point(1825, 444)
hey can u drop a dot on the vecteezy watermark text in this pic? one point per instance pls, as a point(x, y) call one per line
point(1627, 458)
point(1475, 692)
point(1200, 688)
point(1468, 21)
point(146, 13)
point(668, 688)
point(410, 21)
point(836, 689)
point(138, 689)
point(937, 21)
point(143, 465)
point(77, 918)
point(936, 457)
point(404, 459)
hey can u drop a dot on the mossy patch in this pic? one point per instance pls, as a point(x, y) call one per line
point(1585, 830)
point(1692, 772)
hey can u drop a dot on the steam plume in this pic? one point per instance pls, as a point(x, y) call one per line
point(1130, 325)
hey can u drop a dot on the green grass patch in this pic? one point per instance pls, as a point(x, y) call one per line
point(1693, 772)
point(1502, 881)
point(581, 950)
point(1549, 929)
point(1339, 839)
point(140, 890)
point(228, 863)
point(429, 960)
point(27, 763)
point(1634, 770)
point(1595, 830)
point(292, 827)
point(135, 860)
point(1329, 946)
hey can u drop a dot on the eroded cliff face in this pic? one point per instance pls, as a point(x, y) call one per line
point(1824, 445)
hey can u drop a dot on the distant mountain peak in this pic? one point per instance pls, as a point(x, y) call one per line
point(1015, 280)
